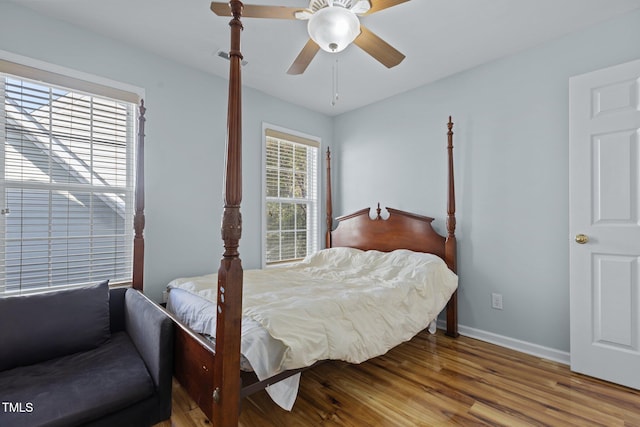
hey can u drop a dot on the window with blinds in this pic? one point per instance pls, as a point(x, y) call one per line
point(66, 186)
point(291, 196)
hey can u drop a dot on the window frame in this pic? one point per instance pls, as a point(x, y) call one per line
point(299, 138)
point(51, 75)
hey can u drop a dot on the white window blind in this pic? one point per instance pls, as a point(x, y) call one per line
point(291, 196)
point(66, 186)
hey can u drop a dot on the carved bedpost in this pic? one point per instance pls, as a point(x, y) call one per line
point(138, 219)
point(450, 243)
point(329, 201)
point(226, 380)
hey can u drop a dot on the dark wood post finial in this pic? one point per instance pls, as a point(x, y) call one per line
point(451, 199)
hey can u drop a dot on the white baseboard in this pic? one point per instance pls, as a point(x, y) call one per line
point(512, 343)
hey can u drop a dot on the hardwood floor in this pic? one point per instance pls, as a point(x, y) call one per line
point(434, 380)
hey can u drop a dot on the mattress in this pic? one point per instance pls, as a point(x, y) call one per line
point(340, 304)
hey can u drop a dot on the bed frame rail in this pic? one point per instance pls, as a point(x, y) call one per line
point(193, 365)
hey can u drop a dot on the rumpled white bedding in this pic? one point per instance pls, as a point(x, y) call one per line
point(261, 353)
point(340, 303)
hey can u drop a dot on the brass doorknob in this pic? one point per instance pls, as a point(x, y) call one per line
point(582, 239)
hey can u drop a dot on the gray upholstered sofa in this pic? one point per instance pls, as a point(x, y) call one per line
point(89, 356)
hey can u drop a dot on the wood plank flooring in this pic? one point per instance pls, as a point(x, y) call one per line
point(434, 380)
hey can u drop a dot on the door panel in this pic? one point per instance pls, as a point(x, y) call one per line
point(614, 174)
point(615, 290)
point(604, 176)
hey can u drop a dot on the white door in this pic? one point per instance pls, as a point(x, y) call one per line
point(604, 223)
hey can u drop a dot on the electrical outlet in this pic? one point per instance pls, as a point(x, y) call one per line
point(496, 301)
point(165, 296)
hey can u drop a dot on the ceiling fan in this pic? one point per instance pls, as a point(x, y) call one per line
point(332, 26)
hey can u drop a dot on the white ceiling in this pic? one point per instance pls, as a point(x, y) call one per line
point(439, 38)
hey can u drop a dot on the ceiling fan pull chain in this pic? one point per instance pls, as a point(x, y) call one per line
point(334, 96)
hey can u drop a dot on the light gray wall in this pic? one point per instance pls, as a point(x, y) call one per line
point(186, 132)
point(511, 155)
point(511, 159)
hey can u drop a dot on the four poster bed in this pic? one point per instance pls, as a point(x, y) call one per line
point(402, 244)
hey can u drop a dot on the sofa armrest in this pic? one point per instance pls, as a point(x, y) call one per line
point(151, 331)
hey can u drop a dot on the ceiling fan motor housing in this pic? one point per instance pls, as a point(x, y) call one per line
point(316, 5)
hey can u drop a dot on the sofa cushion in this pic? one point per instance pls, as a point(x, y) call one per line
point(40, 327)
point(116, 308)
point(75, 389)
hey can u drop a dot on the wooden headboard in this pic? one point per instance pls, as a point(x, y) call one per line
point(401, 230)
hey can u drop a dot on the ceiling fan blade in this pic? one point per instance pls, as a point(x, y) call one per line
point(378, 5)
point(386, 54)
point(257, 11)
point(304, 58)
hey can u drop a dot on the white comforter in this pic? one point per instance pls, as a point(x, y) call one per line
point(341, 303)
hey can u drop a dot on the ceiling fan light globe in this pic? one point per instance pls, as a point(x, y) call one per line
point(333, 28)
